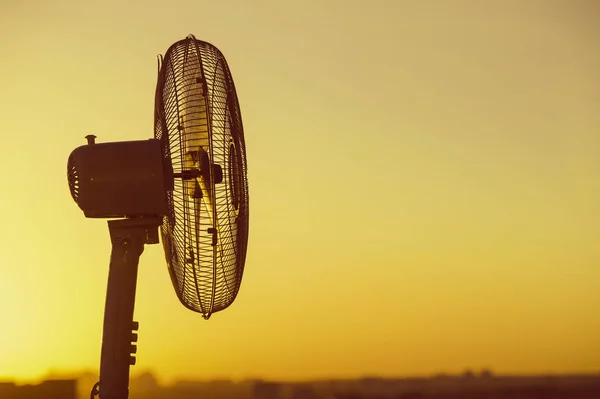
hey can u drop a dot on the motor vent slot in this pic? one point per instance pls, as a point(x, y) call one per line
point(73, 178)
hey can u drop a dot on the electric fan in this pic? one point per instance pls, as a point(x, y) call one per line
point(190, 181)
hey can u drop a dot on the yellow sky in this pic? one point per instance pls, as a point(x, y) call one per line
point(424, 182)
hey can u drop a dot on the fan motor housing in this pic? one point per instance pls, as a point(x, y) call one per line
point(121, 179)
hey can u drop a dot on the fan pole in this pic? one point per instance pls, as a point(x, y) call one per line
point(128, 237)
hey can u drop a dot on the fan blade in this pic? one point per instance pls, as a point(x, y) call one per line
point(196, 133)
point(205, 182)
point(195, 116)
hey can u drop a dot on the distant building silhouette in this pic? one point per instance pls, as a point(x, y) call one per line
point(486, 373)
point(145, 382)
point(470, 385)
point(54, 389)
point(267, 390)
point(305, 391)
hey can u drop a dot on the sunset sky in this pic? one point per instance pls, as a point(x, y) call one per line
point(424, 186)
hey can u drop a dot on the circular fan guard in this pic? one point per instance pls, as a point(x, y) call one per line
point(198, 120)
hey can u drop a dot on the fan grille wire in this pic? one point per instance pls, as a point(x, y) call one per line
point(196, 105)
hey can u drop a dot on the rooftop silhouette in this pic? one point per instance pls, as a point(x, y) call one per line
point(469, 385)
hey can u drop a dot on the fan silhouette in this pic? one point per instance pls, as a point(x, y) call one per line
point(190, 181)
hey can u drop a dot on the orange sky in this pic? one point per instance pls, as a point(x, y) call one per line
point(423, 175)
